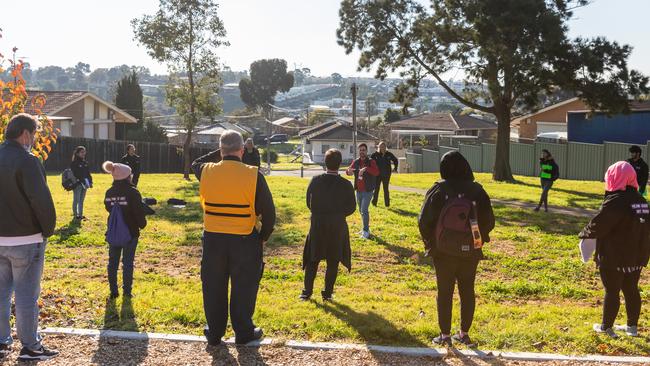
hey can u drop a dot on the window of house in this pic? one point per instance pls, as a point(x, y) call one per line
point(324, 148)
point(89, 131)
point(65, 129)
point(351, 149)
point(103, 131)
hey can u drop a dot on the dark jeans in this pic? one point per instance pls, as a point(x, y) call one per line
point(382, 181)
point(614, 281)
point(238, 259)
point(330, 276)
point(547, 184)
point(128, 257)
point(450, 270)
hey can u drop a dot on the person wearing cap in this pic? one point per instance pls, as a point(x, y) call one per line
point(549, 173)
point(641, 168)
point(621, 228)
point(233, 196)
point(124, 194)
point(251, 154)
point(133, 161)
point(28, 219)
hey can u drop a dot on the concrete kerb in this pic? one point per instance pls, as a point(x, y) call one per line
point(312, 346)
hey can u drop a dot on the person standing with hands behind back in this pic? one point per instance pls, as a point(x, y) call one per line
point(365, 173)
point(641, 168)
point(133, 161)
point(79, 167)
point(385, 159)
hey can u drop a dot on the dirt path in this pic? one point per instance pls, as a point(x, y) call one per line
point(77, 350)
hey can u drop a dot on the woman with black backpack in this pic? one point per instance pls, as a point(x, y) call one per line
point(79, 167)
point(123, 229)
point(455, 220)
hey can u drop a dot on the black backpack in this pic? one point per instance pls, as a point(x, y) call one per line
point(68, 180)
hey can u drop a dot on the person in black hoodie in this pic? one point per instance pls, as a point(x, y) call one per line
point(79, 167)
point(455, 261)
point(330, 198)
point(549, 173)
point(123, 193)
point(133, 161)
point(641, 168)
point(251, 154)
point(622, 246)
point(385, 160)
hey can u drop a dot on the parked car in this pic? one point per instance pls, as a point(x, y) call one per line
point(259, 139)
point(278, 138)
point(552, 137)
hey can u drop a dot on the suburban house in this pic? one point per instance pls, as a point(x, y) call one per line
point(550, 119)
point(597, 127)
point(430, 126)
point(83, 114)
point(206, 135)
point(288, 125)
point(318, 139)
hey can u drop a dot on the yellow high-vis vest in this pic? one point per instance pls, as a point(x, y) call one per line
point(227, 191)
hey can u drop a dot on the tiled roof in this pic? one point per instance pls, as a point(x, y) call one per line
point(443, 122)
point(467, 122)
point(54, 100)
point(339, 131)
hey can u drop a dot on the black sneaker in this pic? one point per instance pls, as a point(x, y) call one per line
point(327, 296)
point(443, 340)
point(212, 341)
point(304, 296)
point(40, 354)
point(5, 349)
point(463, 340)
point(257, 335)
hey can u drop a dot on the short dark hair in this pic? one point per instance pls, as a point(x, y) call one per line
point(129, 146)
point(635, 149)
point(18, 124)
point(363, 144)
point(333, 159)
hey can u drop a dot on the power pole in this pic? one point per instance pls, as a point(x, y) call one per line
point(354, 120)
point(268, 139)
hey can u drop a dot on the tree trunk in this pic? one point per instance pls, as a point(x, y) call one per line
point(187, 155)
point(502, 171)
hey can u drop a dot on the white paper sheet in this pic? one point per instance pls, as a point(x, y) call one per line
point(587, 249)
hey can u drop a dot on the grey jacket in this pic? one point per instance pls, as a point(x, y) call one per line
point(25, 199)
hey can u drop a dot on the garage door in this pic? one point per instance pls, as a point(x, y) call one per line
point(544, 127)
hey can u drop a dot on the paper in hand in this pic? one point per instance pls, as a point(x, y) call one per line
point(587, 249)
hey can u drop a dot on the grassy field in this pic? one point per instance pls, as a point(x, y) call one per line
point(533, 292)
point(568, 193)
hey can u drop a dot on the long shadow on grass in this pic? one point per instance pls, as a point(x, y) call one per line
point(590, 196)
point(401, 252)
point(372, 327)
point(71, 229)
point(112, 351)
point(545, 222)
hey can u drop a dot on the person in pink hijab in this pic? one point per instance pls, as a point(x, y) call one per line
point(622, 247)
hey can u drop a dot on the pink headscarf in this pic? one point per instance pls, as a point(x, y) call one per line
point(619, 176)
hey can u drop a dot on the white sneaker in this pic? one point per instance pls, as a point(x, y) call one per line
point(631, 331)
point(598, 328)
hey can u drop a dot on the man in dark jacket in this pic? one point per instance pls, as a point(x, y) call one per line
point(28, 219)
point(233, 196)
point(124, 194)
point(455, 265)
point(385, 160)
point(641, 168)
point(251, 154)
point(330, 198)
point(133, 161)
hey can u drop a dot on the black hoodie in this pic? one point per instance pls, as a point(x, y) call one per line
point(457, 175)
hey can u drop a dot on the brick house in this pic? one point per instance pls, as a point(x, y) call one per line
point(550, 119)
point(83, 114)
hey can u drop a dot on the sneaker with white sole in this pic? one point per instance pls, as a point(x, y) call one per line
point(40, 354)
point(5, 350)
point(598, 328)
point(630, 330)
point(443, 340)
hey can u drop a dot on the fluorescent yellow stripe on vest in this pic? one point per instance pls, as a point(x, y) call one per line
point(227, 191)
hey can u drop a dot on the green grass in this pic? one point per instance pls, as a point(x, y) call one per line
point(533, 292)
point(568, 193)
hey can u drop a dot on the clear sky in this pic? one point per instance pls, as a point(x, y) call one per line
point(98, 32)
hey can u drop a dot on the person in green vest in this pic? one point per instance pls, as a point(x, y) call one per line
point(549, 173)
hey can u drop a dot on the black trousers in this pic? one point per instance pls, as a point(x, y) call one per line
point(238, 259)
point(382, 181)
point(332, 271)
point(547, 184)
point(614, 281)
point(449, 271)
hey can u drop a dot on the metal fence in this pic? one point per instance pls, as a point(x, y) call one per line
point(577, 161)
point(155, 157)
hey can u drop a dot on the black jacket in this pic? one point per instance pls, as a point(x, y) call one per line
point(555, 170)
point(81, 171)
point(25, 199)
point(131, 203)
point(621, 230)
point(133, 161)
point(330, 198)
point(252, 158)
point(641, 168)
point(455, 172)
point(263, 199)
point(384, 162)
